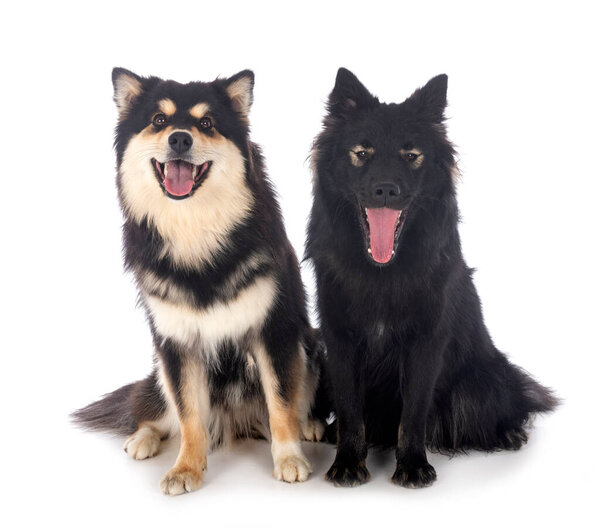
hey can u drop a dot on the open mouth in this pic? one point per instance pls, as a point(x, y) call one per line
point(180, 178)
point(382, 228)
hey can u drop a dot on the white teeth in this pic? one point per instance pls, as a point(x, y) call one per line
point(166, 169)
point(369, 251)
point(393, 253)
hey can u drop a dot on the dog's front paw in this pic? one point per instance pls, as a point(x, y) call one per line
point(144, 443)
point(419, 476)
point(292, 468)
point(179, 480)
point(348, 474)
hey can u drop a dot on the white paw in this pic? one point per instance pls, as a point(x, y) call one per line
point(144, 443)
point(180, 480)
point(312, 430)
point(292, 468)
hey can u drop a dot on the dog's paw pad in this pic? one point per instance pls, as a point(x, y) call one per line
point(313, 430)
point(348, 475)
point(292, 468)
point(419, 477)
point(178, 481)
point(144, 443)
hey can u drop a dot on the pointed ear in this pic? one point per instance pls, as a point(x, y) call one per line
point(349, 94)
point(430, 101)
point(240, 89)
point(128, 86)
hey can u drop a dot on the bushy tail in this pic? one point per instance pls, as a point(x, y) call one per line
point(488, 407)
point(536, 398)
point(122, 410)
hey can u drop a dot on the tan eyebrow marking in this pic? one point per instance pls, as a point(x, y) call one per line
point(199, 110)
point(354, 159)
point(419, 153)
point(166, 106)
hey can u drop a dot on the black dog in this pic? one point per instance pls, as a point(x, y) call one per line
point(411, 361)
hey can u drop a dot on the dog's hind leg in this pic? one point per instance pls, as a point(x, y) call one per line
point(156, 418)
point(282, 375)
point(187, 388)
point(138, 410)
point(144, 443)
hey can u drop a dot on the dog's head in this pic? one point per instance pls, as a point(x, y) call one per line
point(182, 151)
point(379, 160)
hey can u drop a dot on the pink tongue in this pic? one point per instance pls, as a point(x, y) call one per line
point(180, 179)
point(382, 227)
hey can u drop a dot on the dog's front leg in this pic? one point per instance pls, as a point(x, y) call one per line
point(419, 374)
point(346, 373)
point(185, 385)
point(282, 368)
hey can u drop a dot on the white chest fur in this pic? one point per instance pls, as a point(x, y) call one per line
point(219, 321)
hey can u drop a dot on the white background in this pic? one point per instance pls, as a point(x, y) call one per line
point(524, 115)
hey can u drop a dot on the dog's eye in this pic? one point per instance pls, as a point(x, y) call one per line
point(206, 123)
point(359, 155)
point(410, 156)
point(159, 120)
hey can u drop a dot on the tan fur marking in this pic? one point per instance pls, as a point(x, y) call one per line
point(416, 163)
point(199, 110)
point(289, 462)
point(167, 106)
point(355, 160)
point(400, 435)
point(192, 453)
point(283, 416)
point(186, 474)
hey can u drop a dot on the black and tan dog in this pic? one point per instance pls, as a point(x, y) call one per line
point(411, 361)
point(203, 236)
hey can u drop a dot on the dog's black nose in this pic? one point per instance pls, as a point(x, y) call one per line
point(385, 191)
point(180, 141)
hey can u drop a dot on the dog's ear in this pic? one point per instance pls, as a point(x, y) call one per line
point(128, 86)
point(430, 100)
point(240, 90)
point(349, 94)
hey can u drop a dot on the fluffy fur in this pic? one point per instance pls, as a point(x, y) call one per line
point(203, 236)
point(410, 359)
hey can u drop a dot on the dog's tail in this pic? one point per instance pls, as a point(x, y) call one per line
point(535, 398)
point(122, 410)
point(488, 407)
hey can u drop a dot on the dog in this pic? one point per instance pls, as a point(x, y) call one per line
point(410, 359)
point(203, 236)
